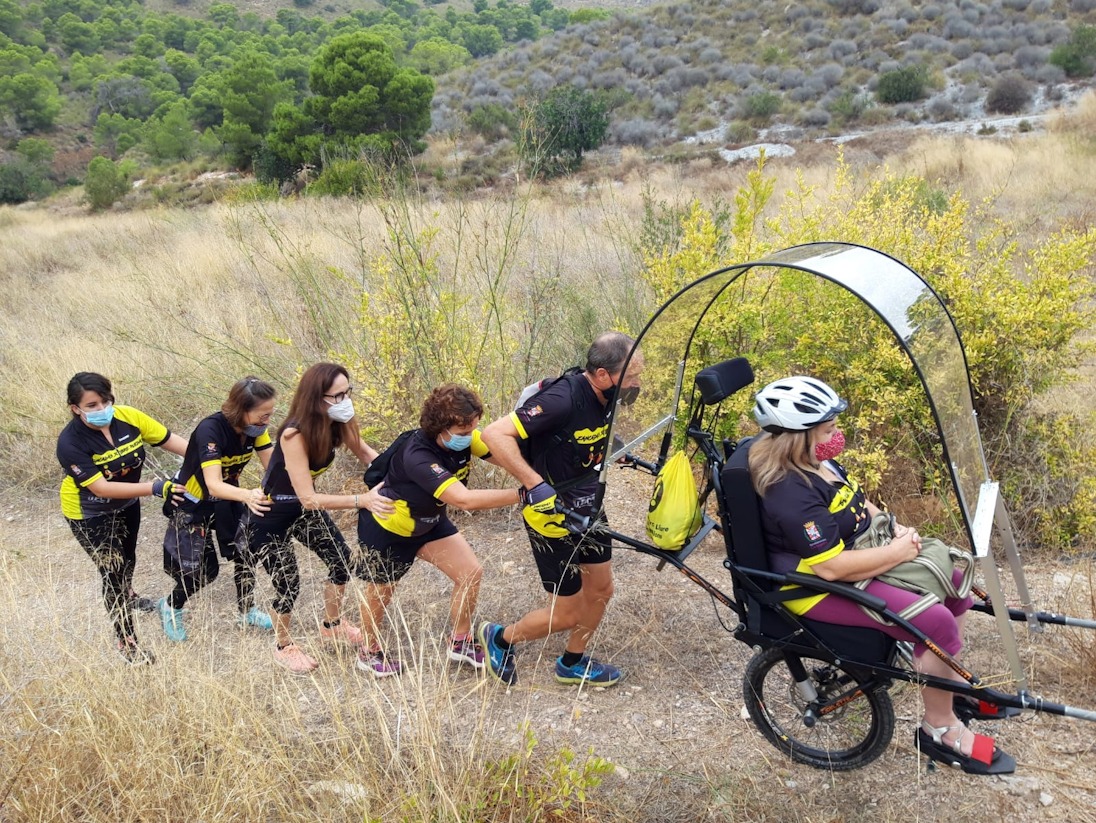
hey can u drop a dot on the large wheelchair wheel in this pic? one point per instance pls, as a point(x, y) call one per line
point(842, 726)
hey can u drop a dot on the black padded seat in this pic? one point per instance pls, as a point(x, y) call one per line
point(745, 542)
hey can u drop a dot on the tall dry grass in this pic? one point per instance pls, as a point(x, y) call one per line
point(215, 732)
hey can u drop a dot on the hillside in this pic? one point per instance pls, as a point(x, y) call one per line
point(674, 70)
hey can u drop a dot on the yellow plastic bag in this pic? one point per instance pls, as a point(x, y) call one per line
point(674, 514)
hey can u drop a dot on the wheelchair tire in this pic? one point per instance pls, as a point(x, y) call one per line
point(847, 737)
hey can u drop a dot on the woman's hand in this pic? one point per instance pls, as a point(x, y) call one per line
point(907, 541)
point(257, 502)
point(376, 502)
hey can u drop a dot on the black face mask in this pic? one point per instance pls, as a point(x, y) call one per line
point(627, 395)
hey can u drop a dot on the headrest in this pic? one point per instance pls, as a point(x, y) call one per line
point(718, 382)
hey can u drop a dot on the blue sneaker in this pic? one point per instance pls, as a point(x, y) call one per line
point(498, 661)
point(587, 670)
point(256, 617)
point(172, 620)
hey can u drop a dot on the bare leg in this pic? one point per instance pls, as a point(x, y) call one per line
point(375, 599)
point(281, 628)
point(454, 557)
point(597, 590)
point(332, 601)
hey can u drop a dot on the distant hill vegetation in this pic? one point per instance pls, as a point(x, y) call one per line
point(295, 86)
point(676, 69)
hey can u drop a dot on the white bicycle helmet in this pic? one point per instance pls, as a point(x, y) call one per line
point(796, 404)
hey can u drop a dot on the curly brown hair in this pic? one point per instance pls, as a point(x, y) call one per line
point(449, 405)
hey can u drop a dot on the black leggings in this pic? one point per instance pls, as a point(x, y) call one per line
point(269, 540)
point(221, 519)
point(111, 542)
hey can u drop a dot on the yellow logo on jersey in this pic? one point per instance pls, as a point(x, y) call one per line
point(587, 437)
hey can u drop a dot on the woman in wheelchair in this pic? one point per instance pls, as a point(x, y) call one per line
point(813, 513)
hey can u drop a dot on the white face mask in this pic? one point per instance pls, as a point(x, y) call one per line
point(342, 412)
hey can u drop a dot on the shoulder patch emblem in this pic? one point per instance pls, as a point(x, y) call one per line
point(533, 412)
point(810, 528)
point(75, 469)
point(211, 447)
point(436, 469)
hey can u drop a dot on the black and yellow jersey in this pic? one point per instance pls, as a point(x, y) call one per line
point(86, 455)
point(276, 481)
point(215, 443)
point(418, 475)
point(568, 430)
point(811, 520)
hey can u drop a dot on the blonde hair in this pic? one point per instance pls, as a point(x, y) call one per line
point(774, 456)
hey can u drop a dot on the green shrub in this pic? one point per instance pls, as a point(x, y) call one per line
point(345, 178)
point(905, 85)
point(22, 180)
point(1077, 58)
point(559, 129)
point(761, 107)
point(105, 183)
point(1024, 318)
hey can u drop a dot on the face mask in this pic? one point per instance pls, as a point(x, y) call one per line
point(342, 412)
point(831, 448)
point(458, 442)
point(100, 417)
point(255, 430)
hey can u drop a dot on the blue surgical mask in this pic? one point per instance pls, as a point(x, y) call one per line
point(458, 442)
point(255, 430)
point(100, 417)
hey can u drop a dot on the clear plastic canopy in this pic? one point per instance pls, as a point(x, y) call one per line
point(915, 314)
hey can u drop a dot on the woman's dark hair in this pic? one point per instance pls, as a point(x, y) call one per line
point(308, 411)
point(449, 405)
point(88, 381)
point(245, 395)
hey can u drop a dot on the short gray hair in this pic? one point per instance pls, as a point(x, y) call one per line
point(609, 351)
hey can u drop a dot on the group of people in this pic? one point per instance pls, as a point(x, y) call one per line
point(552, 445)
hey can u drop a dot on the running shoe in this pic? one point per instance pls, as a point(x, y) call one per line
point(293, 659)
point(172, 621)
point(256, 617)
point(498, 661)
point(466, 650)
point(378, 664)
point(587, 670)
point(346, 632)
point(134, 654)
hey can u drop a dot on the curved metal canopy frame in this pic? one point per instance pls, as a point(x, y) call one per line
point(922, 327)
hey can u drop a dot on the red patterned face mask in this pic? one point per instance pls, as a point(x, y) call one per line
point(831, 448)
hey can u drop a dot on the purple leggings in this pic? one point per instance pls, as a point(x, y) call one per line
point(938, 621)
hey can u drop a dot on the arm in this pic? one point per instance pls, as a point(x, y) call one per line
point(254, 499)
point(296, 466)
point(466, 499)
point(862, 564)
point(364, 452)
point(501, 438)
point(174, 444)
point(113, 490)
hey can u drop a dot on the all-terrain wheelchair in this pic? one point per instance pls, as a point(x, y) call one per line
point(817, 691)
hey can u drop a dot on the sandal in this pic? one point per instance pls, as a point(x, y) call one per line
point(985, 758)
point(968, 708)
